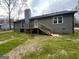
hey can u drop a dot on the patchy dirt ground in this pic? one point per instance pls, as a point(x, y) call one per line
point(5, 41)
point(6, 31)
point(23, 49)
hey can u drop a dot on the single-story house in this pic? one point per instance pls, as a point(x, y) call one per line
point(58, 22)
point(4, 26)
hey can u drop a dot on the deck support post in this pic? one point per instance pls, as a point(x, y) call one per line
point(31, 31)
point(37, 31)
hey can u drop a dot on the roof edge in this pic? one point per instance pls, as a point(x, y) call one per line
point(53, 14)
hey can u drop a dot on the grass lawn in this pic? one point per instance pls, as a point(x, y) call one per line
point(66, 47)
point(18, 38)
point(5, 36)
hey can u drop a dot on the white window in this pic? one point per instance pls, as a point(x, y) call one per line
point(55, 20)
point(58, 20)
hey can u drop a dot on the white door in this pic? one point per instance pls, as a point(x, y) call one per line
point(35, 23)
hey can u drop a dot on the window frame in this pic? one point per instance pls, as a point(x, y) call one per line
point(57, 19)
point(54, 20)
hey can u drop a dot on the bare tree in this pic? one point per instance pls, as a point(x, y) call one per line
point(22, 7)
point(77, 6)
point(10, 6)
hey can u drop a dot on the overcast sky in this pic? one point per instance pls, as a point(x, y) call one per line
point(39, 7)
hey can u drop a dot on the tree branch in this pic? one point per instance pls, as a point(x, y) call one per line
point(14, 5)
point(6, 2)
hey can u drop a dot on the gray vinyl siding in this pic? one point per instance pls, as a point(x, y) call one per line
point(31, 24)
point(18, 26)
point(66, 27)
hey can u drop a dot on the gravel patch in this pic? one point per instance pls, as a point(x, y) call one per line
point(56, 35)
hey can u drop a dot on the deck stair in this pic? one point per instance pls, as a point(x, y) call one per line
point(45, 29)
